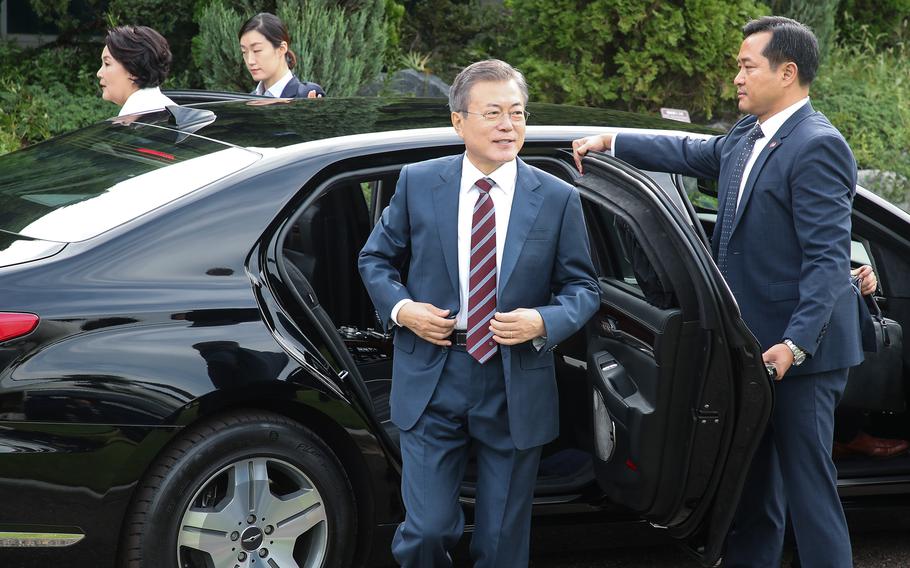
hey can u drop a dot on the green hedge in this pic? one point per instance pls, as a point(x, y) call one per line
point(638, 53)
point(886, 21)
point(865, 95)
point(48, 91)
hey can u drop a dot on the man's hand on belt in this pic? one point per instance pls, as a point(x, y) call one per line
point(427, 321)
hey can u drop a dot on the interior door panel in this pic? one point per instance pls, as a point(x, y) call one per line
point(678, 394)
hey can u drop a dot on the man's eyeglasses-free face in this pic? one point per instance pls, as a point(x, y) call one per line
point(496, 115)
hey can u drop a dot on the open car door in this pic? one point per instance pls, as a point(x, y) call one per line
point(680, 396)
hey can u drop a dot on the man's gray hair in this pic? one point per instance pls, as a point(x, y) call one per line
point(487, 70)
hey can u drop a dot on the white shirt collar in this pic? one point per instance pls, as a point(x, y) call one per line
point(276, 89)
point(145, 100)
point(770, 126)
point(504, 176)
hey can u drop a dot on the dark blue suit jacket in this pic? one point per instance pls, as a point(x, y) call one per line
point(546, 265)
point(297, 89)
point(789, 254)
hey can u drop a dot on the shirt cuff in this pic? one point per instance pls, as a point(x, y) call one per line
point(613, 145)
point(397, 308)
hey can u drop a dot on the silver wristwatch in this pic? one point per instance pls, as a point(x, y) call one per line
point(798, 354)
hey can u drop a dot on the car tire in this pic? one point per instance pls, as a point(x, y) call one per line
point(232, 480)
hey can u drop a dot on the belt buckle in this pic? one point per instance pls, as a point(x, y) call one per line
point(459, 338)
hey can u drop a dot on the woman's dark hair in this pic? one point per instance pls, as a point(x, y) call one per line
point(142, 51)
point(790, 41)
point(273, 29)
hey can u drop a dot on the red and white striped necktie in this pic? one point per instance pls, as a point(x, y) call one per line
point(482, 275)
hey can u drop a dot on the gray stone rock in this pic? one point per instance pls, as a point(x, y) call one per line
point(407, 82)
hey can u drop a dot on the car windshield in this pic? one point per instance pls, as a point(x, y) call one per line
point(79, 185)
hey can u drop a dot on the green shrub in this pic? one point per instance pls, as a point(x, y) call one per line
point(641, 53)
point(216, 51)
point(453, 33)
point(67, 112)
point(817, 14)
point(394, 20)
point(865, 94)
point(24, 117)
point(30, 114)
point(886, 21)
point(338, 47)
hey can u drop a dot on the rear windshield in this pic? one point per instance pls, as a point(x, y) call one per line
point(81, 184)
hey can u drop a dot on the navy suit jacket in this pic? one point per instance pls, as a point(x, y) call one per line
point(546, 265)
point(788, 259)
point(297, 89)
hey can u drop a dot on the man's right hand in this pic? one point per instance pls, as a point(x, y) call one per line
point(427, 321)
point(597, 143)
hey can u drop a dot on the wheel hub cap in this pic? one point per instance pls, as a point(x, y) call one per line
point(251, 539)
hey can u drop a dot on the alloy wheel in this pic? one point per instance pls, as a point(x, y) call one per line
point(257, 512)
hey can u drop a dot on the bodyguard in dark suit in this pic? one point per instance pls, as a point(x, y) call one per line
point(782, 241)
point(265, 45)
point(498, 273)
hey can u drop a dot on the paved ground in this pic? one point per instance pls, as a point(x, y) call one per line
point(882, 550)
point(880, 540)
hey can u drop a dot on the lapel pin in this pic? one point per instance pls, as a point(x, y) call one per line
point(773, 144)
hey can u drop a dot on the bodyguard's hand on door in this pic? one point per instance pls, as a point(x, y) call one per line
point(596, 143)
point(781, 357)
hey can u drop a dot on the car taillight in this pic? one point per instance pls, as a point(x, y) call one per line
point(13, 325)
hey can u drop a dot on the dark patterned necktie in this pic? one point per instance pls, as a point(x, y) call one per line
point(482, 275)
point(729, 213)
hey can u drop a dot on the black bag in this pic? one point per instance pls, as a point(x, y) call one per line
point(878, 383)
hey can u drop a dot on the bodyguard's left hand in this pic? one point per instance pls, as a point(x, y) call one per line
point(517, 326)
point(781, 357)
point(867, 280)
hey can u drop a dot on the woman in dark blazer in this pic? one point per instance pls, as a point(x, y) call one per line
point(265, 44)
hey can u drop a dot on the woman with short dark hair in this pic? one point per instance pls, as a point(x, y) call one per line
point(134, 63)
point(265, 45)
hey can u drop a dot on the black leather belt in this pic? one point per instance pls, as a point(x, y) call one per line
point(459, 338)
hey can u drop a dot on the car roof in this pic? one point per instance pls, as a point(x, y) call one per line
point(276, 123)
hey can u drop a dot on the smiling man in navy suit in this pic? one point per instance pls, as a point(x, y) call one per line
point(786, 180)
point(498, 272)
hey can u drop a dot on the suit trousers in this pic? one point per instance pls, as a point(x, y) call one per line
point(468, 409)
point(792, 471)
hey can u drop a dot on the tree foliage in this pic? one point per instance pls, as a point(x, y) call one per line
point(866, 95)
point(817, 14)
point(216, 51)
point(641, 53)
point(887, 22)
point(339, 48)
point(454, 33)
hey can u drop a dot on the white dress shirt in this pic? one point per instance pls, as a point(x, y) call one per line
point(501, 193)
point(145, 100)
point(769, 128)
point(276, 89)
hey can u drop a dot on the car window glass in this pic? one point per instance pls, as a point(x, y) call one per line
point(702, 193)
point(621, 259)
point(79, 185)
